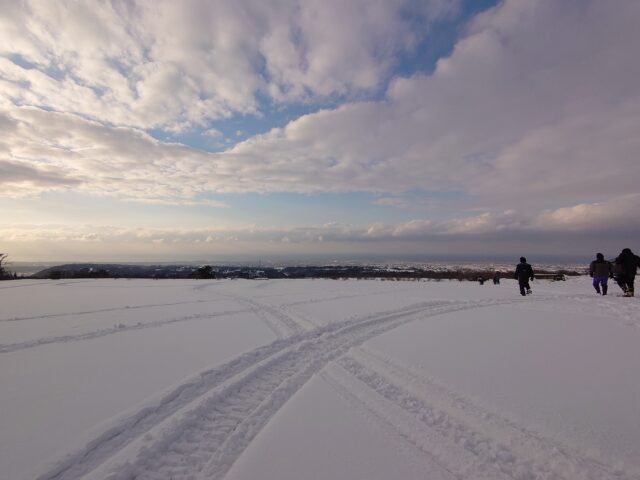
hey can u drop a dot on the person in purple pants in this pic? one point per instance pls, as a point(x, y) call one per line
point(600, 270)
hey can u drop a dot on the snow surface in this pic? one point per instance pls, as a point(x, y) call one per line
point(317, 379)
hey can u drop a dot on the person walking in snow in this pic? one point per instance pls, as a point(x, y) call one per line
point(626, 265)
point(524, 273)
point(600, 270)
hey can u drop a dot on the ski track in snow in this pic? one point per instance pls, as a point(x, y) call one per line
point(464, 439)
point(201, 428)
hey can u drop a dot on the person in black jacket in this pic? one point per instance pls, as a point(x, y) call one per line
point(524, 273)
point(626, 267)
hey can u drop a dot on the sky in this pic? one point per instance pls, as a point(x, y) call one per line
point(162, 130)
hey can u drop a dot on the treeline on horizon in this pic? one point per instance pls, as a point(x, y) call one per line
point(293, 272)
point(5, 274)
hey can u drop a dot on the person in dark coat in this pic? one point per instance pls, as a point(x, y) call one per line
point(626, 265)
point(600, 270)
point(524, 273)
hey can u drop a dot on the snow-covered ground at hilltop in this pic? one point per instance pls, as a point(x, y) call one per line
point(317, 379)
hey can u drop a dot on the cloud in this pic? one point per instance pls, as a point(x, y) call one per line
point(176, 65)
point(391, 202)
point(619, 214)
point(50, 150)
point(213, 133)
point(537, 101)
point(88, 237)
point(19, 180)
point(592, 219)
point(536, 108)
point(183, 202)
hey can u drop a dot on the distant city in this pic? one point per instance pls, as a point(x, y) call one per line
point(440, 271)
point(450, 262)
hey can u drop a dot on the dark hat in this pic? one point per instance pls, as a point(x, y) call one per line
point(599, 255)
point(523, 260)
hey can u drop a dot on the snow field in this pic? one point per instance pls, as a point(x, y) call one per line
point(195, 380)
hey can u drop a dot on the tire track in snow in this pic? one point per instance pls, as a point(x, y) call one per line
point(298, 317)
point(282, 319)
point(106, 310)
point(276, 318)
point(282, 323)
point(312, 301)
point(136, 426)
point(46, 282)
point(118, 328)
point(279, 328)
point(200, 429)
point(461, 436)
point(25, 285)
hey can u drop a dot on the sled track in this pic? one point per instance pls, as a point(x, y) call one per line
point(463, 439)
point(198, 430)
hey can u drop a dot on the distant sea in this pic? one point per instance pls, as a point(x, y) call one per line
point(29, 268)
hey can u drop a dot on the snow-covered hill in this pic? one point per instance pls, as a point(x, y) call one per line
point(278, 379)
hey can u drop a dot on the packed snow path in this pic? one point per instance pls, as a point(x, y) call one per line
point(200, 428)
